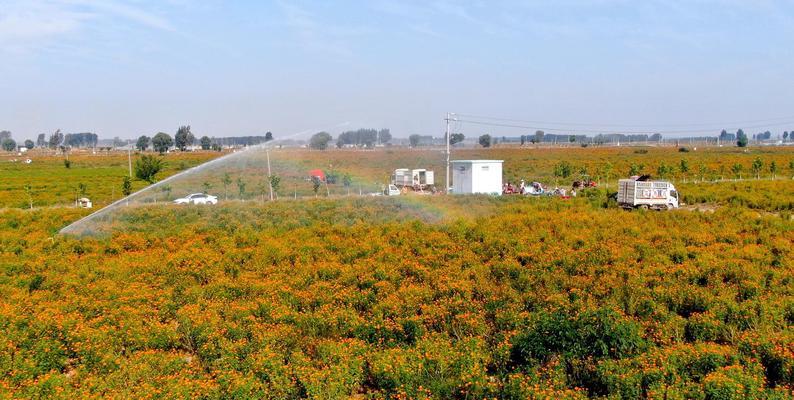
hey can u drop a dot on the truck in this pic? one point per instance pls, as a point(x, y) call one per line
point(391, 190)
point(646, 194)
point(416, 179)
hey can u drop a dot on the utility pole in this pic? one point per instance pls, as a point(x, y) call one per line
point(446, 182)
point(129, 160)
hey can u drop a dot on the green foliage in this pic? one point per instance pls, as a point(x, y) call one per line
point(147, 167)
point(316, 184)
point(757, 166)
point(161, 142)
point(143, 143)
point(414, 140)
point(563, 169)
point(319, 141)
point(126, 186)
point(54, 184)
point(737, 170)
point(206, 142)
point(226, 180)
point(9, 144)
point(67, 163)
point(456, 138)
point(275, 183)
point(683, 167)
point(29, 193)
point(732, 382)
point(55, 140)
point(241, 187)
point(183, 138)
point(363, 137)
point(741, 138)
point(600, 333)
point(485, 140)
point(664, 170)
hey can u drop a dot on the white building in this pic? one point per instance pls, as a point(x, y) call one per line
point(477, 176)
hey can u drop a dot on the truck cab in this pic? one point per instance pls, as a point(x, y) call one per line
point(391, 190)
point(672, 196)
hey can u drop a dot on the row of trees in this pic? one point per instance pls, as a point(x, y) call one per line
point(742, 140)
point(56, 139)
point(540, 136)
point(363, 137)
point(184, 138)
point(758, 167)
point(360, 138)
point(161, 142)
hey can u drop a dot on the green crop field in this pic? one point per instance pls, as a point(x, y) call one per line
point(52, 184)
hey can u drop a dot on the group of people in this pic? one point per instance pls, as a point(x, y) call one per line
point(535, 188)
point(508, 188)
point(523, 188)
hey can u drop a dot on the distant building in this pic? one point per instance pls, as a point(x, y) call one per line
point(477, 176)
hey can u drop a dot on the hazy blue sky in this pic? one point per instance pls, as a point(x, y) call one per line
point(244, 67)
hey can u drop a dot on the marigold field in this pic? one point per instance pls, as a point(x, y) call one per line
point(417, 296)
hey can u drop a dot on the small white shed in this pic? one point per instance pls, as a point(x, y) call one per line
point(477, 176)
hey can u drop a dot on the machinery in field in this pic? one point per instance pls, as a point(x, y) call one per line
point(641, 192)
point(415, 179)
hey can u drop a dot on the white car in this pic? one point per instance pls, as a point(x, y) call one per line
point(197, 198)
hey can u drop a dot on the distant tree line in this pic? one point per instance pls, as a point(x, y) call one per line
point(184, 138)
point(425, 140)
point(160, 142)
point(85, 139)
point(242, 140)
point(763, 136)
point(359, 138)
point(363, 137)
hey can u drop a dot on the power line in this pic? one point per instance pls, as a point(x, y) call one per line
point(766, 122)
